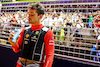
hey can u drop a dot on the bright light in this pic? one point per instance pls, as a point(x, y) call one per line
point(13, 0)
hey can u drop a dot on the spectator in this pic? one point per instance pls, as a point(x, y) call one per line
point(90, 22)
point(77, 35)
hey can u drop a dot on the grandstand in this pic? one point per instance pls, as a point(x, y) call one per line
point(75, 24)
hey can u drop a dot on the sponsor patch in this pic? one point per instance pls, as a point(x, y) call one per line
point(51, 42)
point(34, 37)
point(36, 32)
point(27, 35)
point(52, 37)
point(26, 42)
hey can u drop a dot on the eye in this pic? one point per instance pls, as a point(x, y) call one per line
point(32, 15)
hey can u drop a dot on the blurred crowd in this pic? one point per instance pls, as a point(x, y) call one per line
point(52, 19)
point(56, 19)
point(83, 14)
point(72, 25)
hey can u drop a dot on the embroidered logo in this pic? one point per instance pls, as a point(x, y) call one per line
point(52, 37)
point(27, 35)
point(36, 32)
point(51, 42)
point(26, 42)
point(34, 38)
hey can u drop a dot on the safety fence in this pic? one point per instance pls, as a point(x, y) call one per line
point(68, 43)
point(79, 43)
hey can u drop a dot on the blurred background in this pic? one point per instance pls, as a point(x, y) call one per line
point(75, 24)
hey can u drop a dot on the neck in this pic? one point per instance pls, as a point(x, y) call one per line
point(37, 23)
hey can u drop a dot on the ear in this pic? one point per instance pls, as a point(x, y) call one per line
point(40, 16)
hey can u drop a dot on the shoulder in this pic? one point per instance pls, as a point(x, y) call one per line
point(49, 33)
point(49, 36)
point(45, 29)
point(27, 27)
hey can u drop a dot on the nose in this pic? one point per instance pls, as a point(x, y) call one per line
point(28, 18)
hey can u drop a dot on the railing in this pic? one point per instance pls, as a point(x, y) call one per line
point(67, 46)
point(71, 43)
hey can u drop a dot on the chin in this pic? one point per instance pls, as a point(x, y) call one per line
point(30, 22)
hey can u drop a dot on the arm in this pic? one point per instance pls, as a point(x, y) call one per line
point(80, 25)
point(17, 45)
point(49, 48)
point(73, 25)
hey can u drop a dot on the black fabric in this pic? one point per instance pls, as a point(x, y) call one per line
point(28, 47)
